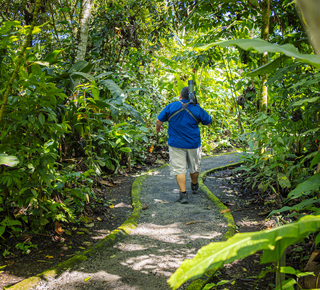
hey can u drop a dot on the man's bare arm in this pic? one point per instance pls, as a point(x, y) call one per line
point(159, 126)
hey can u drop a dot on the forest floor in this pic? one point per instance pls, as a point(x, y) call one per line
point(112, 208)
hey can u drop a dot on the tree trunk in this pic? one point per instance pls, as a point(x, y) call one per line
point(82, 39)
point(265, 7)
point(83, 30)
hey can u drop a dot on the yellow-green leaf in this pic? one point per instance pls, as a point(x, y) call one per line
point(89, 225)
point(273, 242)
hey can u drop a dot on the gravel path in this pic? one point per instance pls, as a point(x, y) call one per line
point(167, 233)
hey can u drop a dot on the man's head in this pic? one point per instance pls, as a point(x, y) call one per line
point(185, 93)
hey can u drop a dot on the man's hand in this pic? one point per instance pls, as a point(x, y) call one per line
point(159, 126)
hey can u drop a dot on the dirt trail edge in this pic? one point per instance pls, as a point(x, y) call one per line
point(159, 234)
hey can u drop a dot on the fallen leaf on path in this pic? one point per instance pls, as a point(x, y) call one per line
point(89, 225)
point(160, 201)
point(264, 213)
point(108, 183)
point(86, 219)
point(194, 222)
point(225, 210)
point(145, 206)
point(84, 230)
point(122, 204)
point(70, 160)
point(58, 229)
point(228, 203)
point(25, 237)
point(86, 279)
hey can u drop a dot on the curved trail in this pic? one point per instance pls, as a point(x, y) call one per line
point(167, 233)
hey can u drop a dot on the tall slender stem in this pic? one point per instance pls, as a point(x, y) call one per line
point(233, 94)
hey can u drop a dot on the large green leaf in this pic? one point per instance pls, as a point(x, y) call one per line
point(306, 82)
point(2, 229)
point(272, 242)
point(6, 26)
point(102, 75)
point(262, 46)
point(82, 74)
point(313, 183)
point(315, 160)
point(78, 66)
point(134, 113)
point(301, 102)
point(297, 207)
point(7, 160)
point(280, 73)
point(254, 3)
point(51, 56)
point(267, 68)
point(87, 68)
point(112, 87)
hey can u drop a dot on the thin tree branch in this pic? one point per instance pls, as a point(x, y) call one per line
point(54, 22)
point(65, 18)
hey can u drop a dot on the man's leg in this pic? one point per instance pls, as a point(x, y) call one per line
point(178, 165)
point(194, 162)
point(194, 177)
point(181, 180)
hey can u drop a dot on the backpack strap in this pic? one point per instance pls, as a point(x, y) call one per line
point(184, 108)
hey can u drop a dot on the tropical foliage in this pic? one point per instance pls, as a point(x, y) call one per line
point(66, 121)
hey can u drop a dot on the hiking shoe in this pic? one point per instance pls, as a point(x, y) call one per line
point(183, 198)
point(194, 188)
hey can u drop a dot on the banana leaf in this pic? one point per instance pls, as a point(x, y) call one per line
point(273, 242)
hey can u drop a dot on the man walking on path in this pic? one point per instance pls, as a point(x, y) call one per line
point(184, 140)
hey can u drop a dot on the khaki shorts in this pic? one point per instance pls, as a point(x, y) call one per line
point(183, 159)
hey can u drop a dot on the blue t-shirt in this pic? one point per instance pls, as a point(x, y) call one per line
point(183, 128)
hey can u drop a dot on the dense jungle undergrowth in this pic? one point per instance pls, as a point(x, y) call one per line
point(82, 83)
